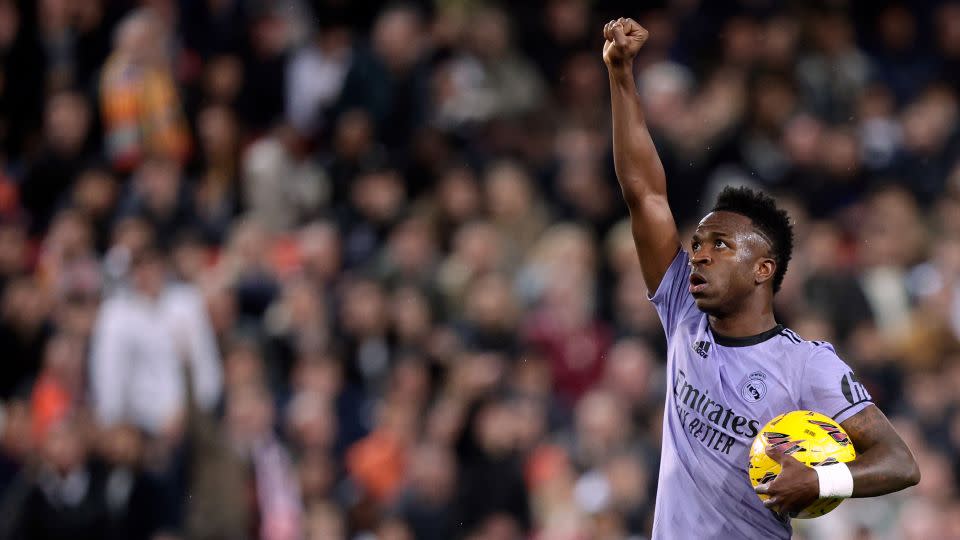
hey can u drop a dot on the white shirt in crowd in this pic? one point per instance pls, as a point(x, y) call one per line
point(136, 374)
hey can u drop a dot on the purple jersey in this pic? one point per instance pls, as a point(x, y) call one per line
point(720, 392)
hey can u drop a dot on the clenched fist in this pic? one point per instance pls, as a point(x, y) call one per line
point(625, 38)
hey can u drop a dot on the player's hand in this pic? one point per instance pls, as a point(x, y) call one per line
point(795, 488)
point(624, 39)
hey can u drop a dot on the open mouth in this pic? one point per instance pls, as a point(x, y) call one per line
point(697, 283)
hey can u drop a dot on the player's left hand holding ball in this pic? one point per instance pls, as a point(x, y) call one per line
point(795, 488)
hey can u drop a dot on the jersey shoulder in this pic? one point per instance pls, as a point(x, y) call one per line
point(795, 344)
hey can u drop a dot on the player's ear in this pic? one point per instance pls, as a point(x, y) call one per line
point(766, 267)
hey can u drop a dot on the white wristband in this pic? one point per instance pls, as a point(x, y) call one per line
point(835, 480)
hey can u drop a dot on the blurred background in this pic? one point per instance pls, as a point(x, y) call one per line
point(343, 269)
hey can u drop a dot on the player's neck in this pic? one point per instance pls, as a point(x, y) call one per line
point(743, 324)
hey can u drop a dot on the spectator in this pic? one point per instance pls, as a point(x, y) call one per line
point(59, 389)
point(216, 196)
point(491, 493)
point(24, 330)
point(458, 202)
point(490, 314)
point(282, 186)
point(389, 80)
point(830, 89)
point(67, 498)
point(22, 104)
point(242, 478)
point(142, 114)
point(244, 268)
point(94, 196)
point(495, 80)
point(211, 28)
point(426, 502)
point(564, 327)
point(316, 75)
point(262, 94)
point(159, 195)
point(139, 337)
point(378, 461)
point(134, 498)
point(412, 319)
point(67, 260)
point(377, 198)
point(16, 447)
point(14, 250)
point(512, 200)
point(65, 149)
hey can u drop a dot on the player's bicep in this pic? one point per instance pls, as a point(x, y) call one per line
point(868, 428)
point(655, 236)
point(884, 463)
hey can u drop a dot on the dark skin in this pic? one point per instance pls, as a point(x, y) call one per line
point(730, 264)
point(732, 269)
point(884, 464)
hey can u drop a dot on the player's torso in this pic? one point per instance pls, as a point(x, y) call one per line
point(719, 395)
point(722, 394)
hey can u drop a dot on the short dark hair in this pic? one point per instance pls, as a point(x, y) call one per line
point(771, 221)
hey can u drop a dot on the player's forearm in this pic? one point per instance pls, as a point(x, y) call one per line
point(635, 158)
point(882, 469)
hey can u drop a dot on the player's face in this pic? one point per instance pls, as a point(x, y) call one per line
point(728, 260)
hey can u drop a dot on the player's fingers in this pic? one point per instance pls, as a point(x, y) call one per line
point(606, 31)
point(775, 452)
point(762, 489)
point(772, 502)
point(619, 37)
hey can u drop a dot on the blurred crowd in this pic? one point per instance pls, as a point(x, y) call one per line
point(344, 269)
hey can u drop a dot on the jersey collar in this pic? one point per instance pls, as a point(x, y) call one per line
point(727, 341)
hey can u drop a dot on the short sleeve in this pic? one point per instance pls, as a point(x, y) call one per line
point(672, 299)
point(830, 386)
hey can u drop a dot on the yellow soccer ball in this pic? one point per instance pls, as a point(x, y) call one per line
point(812, 438)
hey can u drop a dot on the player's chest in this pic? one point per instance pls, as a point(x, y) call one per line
point(734, 387)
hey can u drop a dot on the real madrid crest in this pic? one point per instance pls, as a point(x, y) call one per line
point(753, 388)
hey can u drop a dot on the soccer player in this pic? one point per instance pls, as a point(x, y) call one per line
point(731, 368)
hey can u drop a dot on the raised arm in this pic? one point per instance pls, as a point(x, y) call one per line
point(635, 158)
